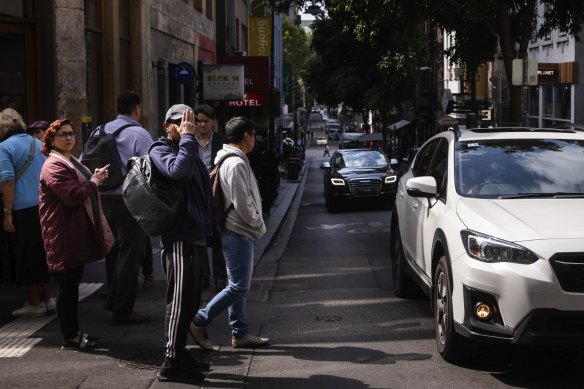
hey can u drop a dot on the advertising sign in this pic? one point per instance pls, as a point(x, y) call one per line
point(223, 82)
point(257, 71)
point(260, 36)
point(251, 99)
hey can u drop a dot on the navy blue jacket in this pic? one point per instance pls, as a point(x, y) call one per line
point(180, 162)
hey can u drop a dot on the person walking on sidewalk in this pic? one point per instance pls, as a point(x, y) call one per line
point(185, 244)
point(209, 142)
point(326, 151)
point(244, 224)
point(130, 239)
point(74, 228)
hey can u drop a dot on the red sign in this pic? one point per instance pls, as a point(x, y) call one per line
point(256, 73)
point(251, 99)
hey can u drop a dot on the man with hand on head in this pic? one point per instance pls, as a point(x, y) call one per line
point(184, 245)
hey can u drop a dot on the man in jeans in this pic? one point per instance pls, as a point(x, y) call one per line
point(131, 240)
point(244, 224)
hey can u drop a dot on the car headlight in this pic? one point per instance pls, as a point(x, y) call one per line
point(338, 181)
point(390, 179)
point(488, 249)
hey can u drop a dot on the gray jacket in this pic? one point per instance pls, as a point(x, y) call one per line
point(240, 187)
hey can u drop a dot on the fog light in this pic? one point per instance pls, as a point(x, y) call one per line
point(483, 311)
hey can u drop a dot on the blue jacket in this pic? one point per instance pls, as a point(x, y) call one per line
point(179, 162)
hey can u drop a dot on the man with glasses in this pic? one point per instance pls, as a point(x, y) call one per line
point(244, 224)
point(131, 241)
point(209, 143)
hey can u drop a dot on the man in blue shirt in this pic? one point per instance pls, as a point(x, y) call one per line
point(131, 241)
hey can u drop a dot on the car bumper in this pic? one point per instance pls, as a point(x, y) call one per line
point(344, 193)
point(530, 305)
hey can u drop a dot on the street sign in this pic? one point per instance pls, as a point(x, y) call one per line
point(184, 73)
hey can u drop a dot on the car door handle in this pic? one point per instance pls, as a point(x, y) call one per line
point(415, 204)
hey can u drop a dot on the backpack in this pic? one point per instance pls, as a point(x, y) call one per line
point(100, 150)
point(154, 200)
point(218, 197)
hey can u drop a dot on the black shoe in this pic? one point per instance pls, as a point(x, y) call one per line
point(179, 371)
point(191, 362)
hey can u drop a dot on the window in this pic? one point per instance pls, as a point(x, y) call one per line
point(209, 9)
point(424, 158)
point(125, 45)
point(439, 167)
point(94, 58)
point(237, 34)
point(563, 101)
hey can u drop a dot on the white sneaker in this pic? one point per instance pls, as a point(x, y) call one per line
point(30, 310)
point(249, 341)
point(51, 304)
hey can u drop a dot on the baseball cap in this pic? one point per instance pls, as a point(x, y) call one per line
point(40, 124)
point(176, 111)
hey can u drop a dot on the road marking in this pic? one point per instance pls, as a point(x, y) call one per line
point(332, 226)
point(14, 336)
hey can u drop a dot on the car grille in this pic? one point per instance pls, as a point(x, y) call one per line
point(569, 269)
point(370, 186)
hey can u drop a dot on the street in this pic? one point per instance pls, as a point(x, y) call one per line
point(335, 323)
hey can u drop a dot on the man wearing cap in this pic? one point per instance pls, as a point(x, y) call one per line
point(131, 241)
point(184, 244)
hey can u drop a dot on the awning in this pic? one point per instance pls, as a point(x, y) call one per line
point(398, 125)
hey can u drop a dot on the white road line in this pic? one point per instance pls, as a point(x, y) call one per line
point(14, 336)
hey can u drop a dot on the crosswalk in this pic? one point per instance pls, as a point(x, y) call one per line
point(15, 340)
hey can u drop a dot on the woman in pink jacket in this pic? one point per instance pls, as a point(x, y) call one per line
point(74, 229)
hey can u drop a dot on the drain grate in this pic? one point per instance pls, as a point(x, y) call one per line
point(143, 360)
point(328, 318)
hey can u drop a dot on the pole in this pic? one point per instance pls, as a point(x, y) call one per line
point(525, 92)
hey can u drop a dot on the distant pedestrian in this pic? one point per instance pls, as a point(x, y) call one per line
point(74, 229)
point(37, 129)
point(244, 224)
point(130, 239)
point(185, 244)
point(326, 151)
point(21, 161)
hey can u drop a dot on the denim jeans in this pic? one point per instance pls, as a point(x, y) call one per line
point(238, 251)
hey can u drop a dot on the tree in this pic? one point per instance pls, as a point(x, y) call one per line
point(297, 52)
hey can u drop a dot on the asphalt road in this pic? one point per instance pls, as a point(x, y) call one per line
point(335, 323)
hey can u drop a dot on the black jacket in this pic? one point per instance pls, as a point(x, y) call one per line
point(200, 220)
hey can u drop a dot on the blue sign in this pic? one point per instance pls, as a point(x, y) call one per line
point(184, 73)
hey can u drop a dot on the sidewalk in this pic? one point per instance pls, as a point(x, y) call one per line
point(129, 356)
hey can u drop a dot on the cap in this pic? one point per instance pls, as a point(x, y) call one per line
point(176, 111)
point(41, 124)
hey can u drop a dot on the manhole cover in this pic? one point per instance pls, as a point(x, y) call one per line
point(328, 318)
point(143, 360)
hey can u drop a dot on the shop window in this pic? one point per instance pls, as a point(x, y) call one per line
point(548, 101)
point(534, 101)
point(564, 101)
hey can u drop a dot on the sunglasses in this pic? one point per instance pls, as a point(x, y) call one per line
point(66, 134)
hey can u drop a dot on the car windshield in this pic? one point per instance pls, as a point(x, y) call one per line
point(364, 159)
point(520, 168)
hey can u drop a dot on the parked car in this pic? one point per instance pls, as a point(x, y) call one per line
point(489, 224)
point(321, 141)
point(334, 131)
point(358, 174)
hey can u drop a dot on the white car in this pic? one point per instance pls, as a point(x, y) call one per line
point(490, 224)
point(321, 141)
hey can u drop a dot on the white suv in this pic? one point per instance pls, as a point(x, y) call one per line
point(490, 224)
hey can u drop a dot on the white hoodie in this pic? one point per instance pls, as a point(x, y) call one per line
point(240, 187)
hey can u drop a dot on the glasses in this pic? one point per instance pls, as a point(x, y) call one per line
point(66, 134)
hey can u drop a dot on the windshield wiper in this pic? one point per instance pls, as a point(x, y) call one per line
point(554, 195)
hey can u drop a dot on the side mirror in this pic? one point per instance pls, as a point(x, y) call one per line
point(326, 166)
point(422, 187)
point(394, 161)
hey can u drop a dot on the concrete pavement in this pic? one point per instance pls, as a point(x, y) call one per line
point(129, 356)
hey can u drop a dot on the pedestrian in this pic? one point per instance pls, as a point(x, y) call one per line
point(74, 229)
point(326, 151)
point(37, 129)
point(184, 245)
point(209, 142)
point(131, 240)
point(21, 161)
point(244, 224)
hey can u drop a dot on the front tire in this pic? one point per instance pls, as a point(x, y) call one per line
point(403, 285)
point(452, 346)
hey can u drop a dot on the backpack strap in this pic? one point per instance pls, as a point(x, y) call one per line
point(231, 206)
point(28, 160)
point(101, 130)
point(122, 128)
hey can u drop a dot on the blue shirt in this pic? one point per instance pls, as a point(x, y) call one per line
point(13, 154)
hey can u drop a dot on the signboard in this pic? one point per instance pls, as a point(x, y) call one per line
point(260, 36)
point(223, 82)
point(184, 73)
point(257, 71)
point(250, 99)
